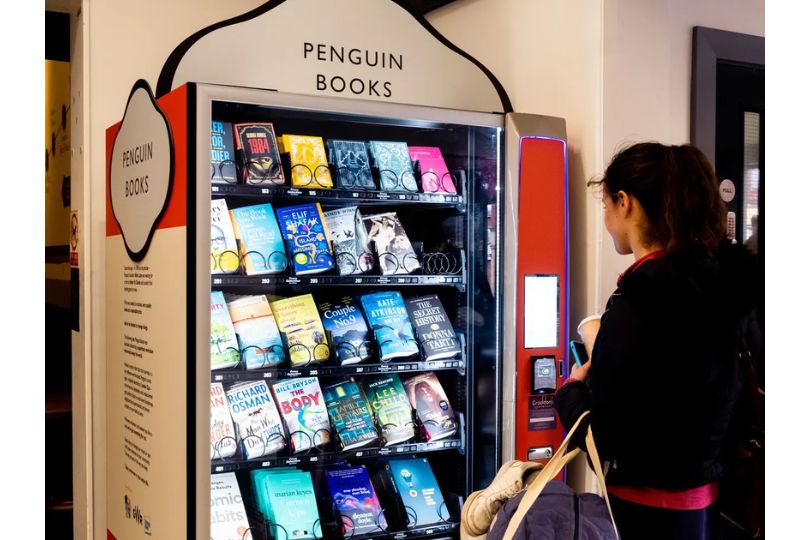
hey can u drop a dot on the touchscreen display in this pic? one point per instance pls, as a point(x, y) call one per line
point(541, 312)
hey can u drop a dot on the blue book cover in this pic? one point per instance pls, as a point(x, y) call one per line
point(419, 491)
point(355, 499)
point(223, 157)
point(291, 506)
point(394, 163)
point(307, 238)
point(262, 245)
point(349, 413)
point(389, 321)
point(351, 163)
point(351, 338)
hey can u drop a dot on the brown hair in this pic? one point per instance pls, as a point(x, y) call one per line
point(678, 190)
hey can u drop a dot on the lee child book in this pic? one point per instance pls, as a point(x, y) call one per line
point(391, 242)
point(224, 347)
point(254, 411)
point(349, 240)
point(427, 397)
point(352, 164)
point(349, 414)
point(228, 517)
point(355, 499)
point(256, 331)
point(433, 329)
point(298, 318)
point(262, 245)
point(351, 338)
point(388, 401)
point(223, 437)
point(223, 157)
point(256, 143)
point(386, 313)
point(224, 250)
point(309, 167)
point(435, 176)
point(419, 490)
point(302, 406)
point(394, 163)
point(307, 238)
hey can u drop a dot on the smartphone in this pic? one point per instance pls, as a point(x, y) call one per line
point(578, 352)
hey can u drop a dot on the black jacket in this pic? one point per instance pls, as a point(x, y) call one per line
point(665, 375)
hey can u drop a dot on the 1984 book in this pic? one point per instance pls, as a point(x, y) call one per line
point(261, 163)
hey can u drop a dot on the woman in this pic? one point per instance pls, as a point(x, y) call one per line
point(664, 375)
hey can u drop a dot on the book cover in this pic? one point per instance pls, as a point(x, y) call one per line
point(349, 240)
point(393, 247)
point(261, 164)
point(419, 491)
point(262, 245)
point(355, 499)
point(433, 329)
point(224, 347)
point(427, 397)
point(291, 505)
point(223, 156)
point(352, 164)
point(256, 331)
point(349, 413)
point(394, 163)
point(435, 175)
point(388, 401)
point(307, 238)
point(228, 517)
point(351, 338)
point(309, 167)
point(298, 318)
point(224, 250)
point(256, 416)
point(388, 318)
point(223, 437)
point(302, 406)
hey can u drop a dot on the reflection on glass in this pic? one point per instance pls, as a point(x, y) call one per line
point(751, 176)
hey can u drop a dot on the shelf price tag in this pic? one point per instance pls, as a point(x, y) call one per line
point(214, 189)
point(265, 191)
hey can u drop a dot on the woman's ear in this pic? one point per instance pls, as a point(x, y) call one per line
point(623, 202)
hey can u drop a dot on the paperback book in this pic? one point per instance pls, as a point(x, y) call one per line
point(427, 397)
point(351, 338)
point(252, 408)
point(433, 329)
point(389, 403)
point(394, 250)
point(298, 319)
point(228, 517)
point(307, 238)
point(262, 245)
point(349, 413)
point(435, 176)
point(394, 163)
point(302, 406)
point(349, 240)
point(419, 490)
point(223, 437)
point(256, 331)
point(309, 167)
point(256, 143)
point(351, 162)
point(224, 249)
point(355, 499)
point(224, 346)
point(223, 157)
point(287, 500)
point(388, 318)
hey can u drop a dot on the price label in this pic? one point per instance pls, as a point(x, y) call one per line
point(220, 468)
point(214, 189)
point(265, 191)
point(217, 281)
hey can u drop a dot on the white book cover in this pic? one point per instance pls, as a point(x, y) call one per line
point(228, 517)
point(394, 249)
point(256, 331)
point(302, 406)
point(224, 251)
point(223, 436)
point(224, 346)
point(349, 240)
point(256, 416)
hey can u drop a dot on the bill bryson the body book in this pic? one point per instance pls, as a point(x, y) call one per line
point(388, 401)
point(349, 240)
point(223, 157)
point(287, 500)
point(228, 518)
point(307, 238)
point(386, 313)
point(351, 338)
point(394, 163)
point(298, 318)
point(394, 249)
point(256, 331)
point(435, 176)
point(256, 142)
point(309, 167)
point(302, 406)
point(351, 162)
point(224, 347)
point(262, 245)
point(433, 329)
point(355, 499)
point(349, 414)
point(224, 250)
point(223, 437)
point(419, 490)
point(256, 415)
point(427, 397)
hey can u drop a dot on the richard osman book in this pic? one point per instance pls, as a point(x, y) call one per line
point(224, 347)
point(256, 144)
point(355, 499)
point(386, 313)
point(298, 318)
point(349, 413)
point(352, 164)
point(351, 338)
point(433, 329)
point(309, 167)
point(302, 406)
point(427, 397)
point(223, 155)
point(418, 490)
point(262, 245)
point(228, 517)
point(254, 411)
point(223, 437)
point(307, 238)
point(388, 401)
point(256, 331)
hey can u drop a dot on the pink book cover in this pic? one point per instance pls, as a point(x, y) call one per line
point(435, 176)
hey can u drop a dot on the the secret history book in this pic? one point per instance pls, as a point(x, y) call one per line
point(433, 329)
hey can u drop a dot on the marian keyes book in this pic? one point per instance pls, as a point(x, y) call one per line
point(427, 397)
point(223, 436)
point(256, 144)
point(357, 503)
point(352, 164)
point(433, 329)
point(228, 517)
point(223, 155)
point(256, 416)
point(303, 409)
point(262, 245)
point(224, 250)
point(224, 347)
point(256, 331)
point(349, 414)
point(307, 238)
point(419, 490)
point(351, 338)
point(286, 498)
point(386, 313)
point(389, 403)
point(309, 167)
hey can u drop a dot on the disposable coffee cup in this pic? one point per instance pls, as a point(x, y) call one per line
point(587, 330)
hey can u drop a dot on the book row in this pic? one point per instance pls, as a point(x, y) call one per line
point(264, 331)
point(251, 153)
point(259, 239)
point(392, 495)
point(254, 419)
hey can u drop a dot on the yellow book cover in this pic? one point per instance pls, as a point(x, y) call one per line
point(298, 318)
point(310, 167)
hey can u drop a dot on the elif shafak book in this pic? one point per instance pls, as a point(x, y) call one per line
point(224, 250)
point(419, 490)
point(223, 155)
point(228, 517)
point(309, 167)
point(349, 414)
point(224, 347)
point(298, 318)
point(223, 437)
point(388, 318)
point(427, 397)
point(394, 163)
point(254, 411)
point(391, 242)
point(302, 406)
point(262, 244)
point(307, 238)
point(256, 143)
point(352, 164)
point(355, 499)
point(256, 331)
point(433, 329)
point(388, 401)
point(435, 176)
point(349, 240)
point(351, 338)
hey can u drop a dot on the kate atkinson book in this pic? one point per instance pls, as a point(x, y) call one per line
point(394, 163)
point(433, 329)
point(262, 245)
point(256, 416)
point(224, 346)
point(356, 501)
point(224, 250)
point(418, 490)
point(349, 240)
point(389, 403)
point(228, 517)
point(307, 238)
point(256, 144)
point(351, 338)
point(223, 155)
point(394, 250)
point(223, 436)
point(303, 409)
point(309, 166)
point(298, 318)
point(427, 397)
point(388, 318)
point(352, 165)
point(256, 331)
point(286, 498)
point(349, 414)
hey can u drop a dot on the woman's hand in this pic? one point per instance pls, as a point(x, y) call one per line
point(580, 373)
